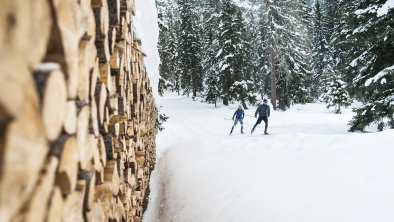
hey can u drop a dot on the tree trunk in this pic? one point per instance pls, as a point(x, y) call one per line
point(273, 80)
point(225, 100)
point(244, 104)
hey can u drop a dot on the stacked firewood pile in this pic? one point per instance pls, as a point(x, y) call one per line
point(77, 116)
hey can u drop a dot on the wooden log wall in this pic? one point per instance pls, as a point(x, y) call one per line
point(77, 115)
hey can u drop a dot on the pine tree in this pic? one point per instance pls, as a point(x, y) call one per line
point(236, 82)
point(371, 62)
point(300, 57)
point(259, 54)
point(337, 95)
point(289, 51)
point(189, 49)
point(168, 46)
point(164, 68)
point(320, 47)
point(211, 48)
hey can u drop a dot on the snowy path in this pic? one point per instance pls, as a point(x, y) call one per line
point(310, 169)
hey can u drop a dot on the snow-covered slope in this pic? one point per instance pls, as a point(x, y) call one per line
point(309, 169)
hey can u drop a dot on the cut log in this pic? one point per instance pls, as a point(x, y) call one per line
point(97, 3)
point(102, 151)
point(96, 214)
point(21, 19)
point(109, 149)
point(102, 28)
point(117, 211)
point(101, 99)
point(97, 164)
point(90, 180)
point(88, 16)
point(115, 60)
point(94, 80)
point(53, 95)
point(100, 176)
point(103, 53)
point(93, 120)
point(114, 11)
point(37, 205)
point(101, 14)
point(82, 135)
point(55, 211)
point(104, 195)
point(70, 118)
point(24, 134)
point(105, 77)
point(85, 65)
point(68, 167)
point(111, 175)
point(63, 46)
point(112, 39)
point(72, 210)
point(11, 103)
point(87, 154)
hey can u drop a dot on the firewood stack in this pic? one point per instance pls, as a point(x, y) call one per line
point(77, 114)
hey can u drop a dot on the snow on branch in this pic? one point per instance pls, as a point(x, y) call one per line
point(380, 75)
point(385, 8)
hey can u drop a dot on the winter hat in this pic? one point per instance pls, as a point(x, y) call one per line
point(265, 100)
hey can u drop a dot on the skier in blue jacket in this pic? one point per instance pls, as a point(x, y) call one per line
point(239, 117)
point(264, 112)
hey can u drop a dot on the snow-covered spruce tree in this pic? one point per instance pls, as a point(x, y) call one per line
point(236, 83)
point(259, 55)
point(168, 49)
point(162, 47)
point(289, 51)
point(192, 75)
point(337, 95)
point(210, 49)
point(338, 33)
point(320, 48)
point(300, 58)
point(372, 63)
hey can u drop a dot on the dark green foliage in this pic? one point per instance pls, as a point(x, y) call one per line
point(192, 75)
point(168, 40)
point(210, 48)
point(371, 64)
point(160, 121)
point(234, 75)
point(290, 48)
point(337, 95)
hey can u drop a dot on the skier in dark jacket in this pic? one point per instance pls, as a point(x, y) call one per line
point(239, 117)
point(264, 112)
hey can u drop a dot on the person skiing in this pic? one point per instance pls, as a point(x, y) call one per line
point(264, 112)
point(239, 116)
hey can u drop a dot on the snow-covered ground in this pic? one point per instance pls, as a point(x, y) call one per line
point(310, 169)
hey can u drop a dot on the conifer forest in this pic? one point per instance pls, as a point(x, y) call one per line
point(287, 51)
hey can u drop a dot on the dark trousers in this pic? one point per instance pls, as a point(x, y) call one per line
point(261, 118)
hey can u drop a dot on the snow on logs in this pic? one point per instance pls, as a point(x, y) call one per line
point(77, 116)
